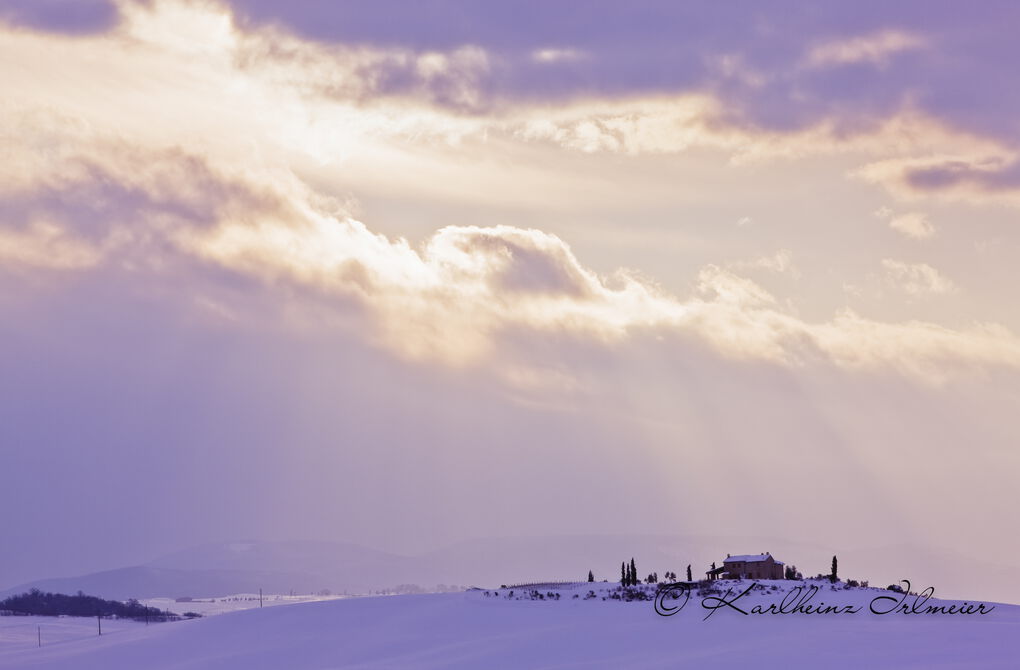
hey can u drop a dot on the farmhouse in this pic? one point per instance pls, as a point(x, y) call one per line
point(749, 566)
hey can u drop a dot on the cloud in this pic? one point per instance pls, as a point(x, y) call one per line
point(681, 123)
point(232, 179)
point(457, 297)
point(329, 100)
point(43, 245)
point(550, 55)
point(451, 298)
point(917, 279)
point(781, 263)
point(867, 62)
point(910, 224)
point(873, 49)
point(989, 178)
point(75, 18)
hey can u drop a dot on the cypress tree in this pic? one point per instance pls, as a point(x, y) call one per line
point(689, 573)
point(591, 576)
point(832, 577)
point(633, 572)
point(623, 573)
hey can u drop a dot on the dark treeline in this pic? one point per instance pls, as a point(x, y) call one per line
point(54, 604)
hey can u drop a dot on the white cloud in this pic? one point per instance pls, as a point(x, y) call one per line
point(44, 245)
point(911, 224)
point(875, 49)
point(550, 55)
point(917, 279)
point(780, 262)
point(455, 297)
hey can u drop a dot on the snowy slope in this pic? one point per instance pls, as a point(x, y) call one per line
point(470, 630)
point(309, 567)
point(239, 601)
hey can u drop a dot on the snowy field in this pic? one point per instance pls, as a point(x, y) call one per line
point(27, 632)
point(233, 603)
point(475, 630)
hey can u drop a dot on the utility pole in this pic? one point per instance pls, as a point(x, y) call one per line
point(99, 620)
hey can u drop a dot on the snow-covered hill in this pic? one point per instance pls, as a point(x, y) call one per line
point(475, 630)
point(309, 567)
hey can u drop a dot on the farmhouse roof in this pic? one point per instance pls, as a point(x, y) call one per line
point(747, 558)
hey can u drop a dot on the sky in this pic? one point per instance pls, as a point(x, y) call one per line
point(402, 274)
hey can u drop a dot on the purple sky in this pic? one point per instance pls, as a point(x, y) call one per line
point(405, 273)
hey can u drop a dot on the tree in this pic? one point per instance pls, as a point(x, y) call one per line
point(54, 604)
point(833, 578)
point(623, 573)
point(689, 573)
point(633, 572)
point(591, 576)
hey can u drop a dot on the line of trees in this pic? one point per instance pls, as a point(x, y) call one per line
point(671, 576)
point(54, 604)
point(628, 575)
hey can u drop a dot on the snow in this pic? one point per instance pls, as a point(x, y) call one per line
point(231, 603)
point(747, 558)
point(25, 632)
point(473, 630)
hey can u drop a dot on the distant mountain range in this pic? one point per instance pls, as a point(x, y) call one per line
point(311, 566)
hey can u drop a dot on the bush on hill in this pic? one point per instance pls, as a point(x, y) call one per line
point(54, 604)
